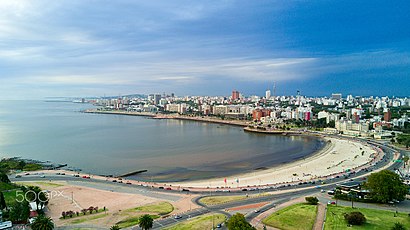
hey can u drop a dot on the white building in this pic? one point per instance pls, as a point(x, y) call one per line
point(267, 94)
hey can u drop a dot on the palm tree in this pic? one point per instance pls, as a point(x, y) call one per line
point(42, 223)
point(115, 227)
point(146, 222)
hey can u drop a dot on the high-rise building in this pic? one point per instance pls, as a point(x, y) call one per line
point(157, 97)
point(235, 95)
point(387, 115)
point(267, 94)
point(356, 117)
point(336, 96)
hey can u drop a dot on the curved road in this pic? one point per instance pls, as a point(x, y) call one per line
point(281, 195)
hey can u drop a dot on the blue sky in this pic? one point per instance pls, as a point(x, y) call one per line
point(91, 48)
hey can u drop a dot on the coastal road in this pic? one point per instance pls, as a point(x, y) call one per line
point(288, 192)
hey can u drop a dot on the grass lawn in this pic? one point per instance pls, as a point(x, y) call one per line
point(155, 210)
point(376, 219)
point(10, 197)
point(132, 221)
point(215, 200)
point(199, 223)
point(41, 184)
point(6, 186)
point(161, 208)
point(295, 217)
point(88, 218)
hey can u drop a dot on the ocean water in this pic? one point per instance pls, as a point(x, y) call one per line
point(171, 150)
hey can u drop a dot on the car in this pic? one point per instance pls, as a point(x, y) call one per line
point(244, 190)
point(168, 188)
point(120, 181)
point(185, 190)
point(27, 174)
point(331, 192)
point(76, 175)
point(322, 191)
point(62, 174)
point(219, 226)
point(42, 176)
point(177, 217)
point(58, 173)
point(17, 176)
point(257, 211)
point(160, 187)
point(86, 177)
point(114, 180)
point(128, 182)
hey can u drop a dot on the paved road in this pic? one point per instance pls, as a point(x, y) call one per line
point(289, 192)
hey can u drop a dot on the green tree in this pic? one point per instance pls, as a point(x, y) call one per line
point(355, 218)
point(4, 178)
point(398, 226)
point(19, 212)
point(312, 200)
point(386, 186)
point(115, 227)
point(2, 202)
point(406, 160)
point(238, 222)
point(37, 195)
point(42, 222)
point(145, 222)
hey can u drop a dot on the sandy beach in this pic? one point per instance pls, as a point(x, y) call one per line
point(338, 156)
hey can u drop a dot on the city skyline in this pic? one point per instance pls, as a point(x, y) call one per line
point(79, 48)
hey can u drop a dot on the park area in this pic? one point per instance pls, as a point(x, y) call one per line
point(200, 222)
point(296, 217)
point(376, 219)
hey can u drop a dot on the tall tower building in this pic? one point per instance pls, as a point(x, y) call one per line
point(387, 115)
point(267, 94)
point(235, 95)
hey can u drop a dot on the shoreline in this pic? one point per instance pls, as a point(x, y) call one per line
point(257, 178)
point(308, 169)
point(300, 170)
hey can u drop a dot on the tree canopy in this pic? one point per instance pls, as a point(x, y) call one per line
point(42, 222)
point(386, 186)
point(146, 222)
point(4, 178)
point(238, 222)
point(19, 212)
point(2, 201)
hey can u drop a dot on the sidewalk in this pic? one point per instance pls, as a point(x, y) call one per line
point(320, 216)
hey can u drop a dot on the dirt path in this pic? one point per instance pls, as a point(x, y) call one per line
point(320, 216)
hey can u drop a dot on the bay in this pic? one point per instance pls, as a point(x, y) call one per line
point(171, 150)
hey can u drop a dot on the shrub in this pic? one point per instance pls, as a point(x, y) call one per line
point(398, 226)
point(355, 218)
point(312, 200)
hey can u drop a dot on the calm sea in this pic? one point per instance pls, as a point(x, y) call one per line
point(171, 150)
